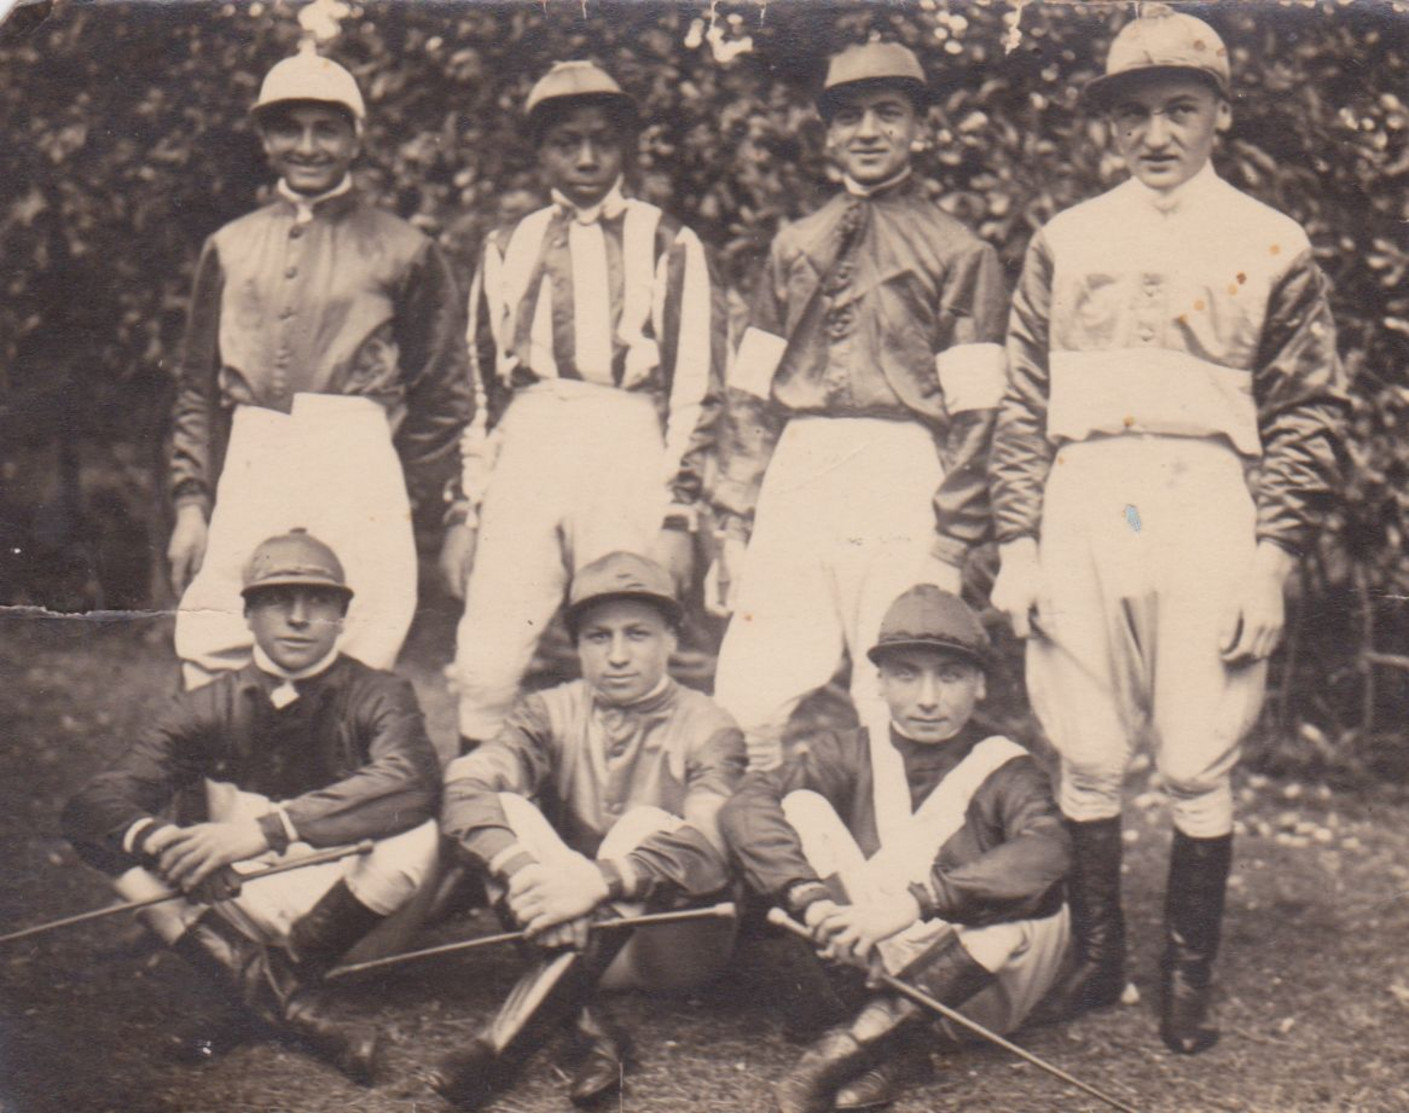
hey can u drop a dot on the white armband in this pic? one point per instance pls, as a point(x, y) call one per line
point(972, 377)
point(757, 360)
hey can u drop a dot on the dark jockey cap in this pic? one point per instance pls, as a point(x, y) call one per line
point(1163, 40)
point(872, 64)
point(294, 559)
point(567, 82)
point(622, 575)
point(929, 617)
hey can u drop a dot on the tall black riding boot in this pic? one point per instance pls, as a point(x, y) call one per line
point(881, 1031)
point(1193, 918)
point(601, 1051)
point(1097, 922)
point(554, 988)
point(218, 952)
point(334, 925)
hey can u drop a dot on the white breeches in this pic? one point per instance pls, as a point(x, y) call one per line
point(843, 527)
point(580, 473)
point(384, 879)
point(1146, 542)
point(1026, 954)
point(328, 466)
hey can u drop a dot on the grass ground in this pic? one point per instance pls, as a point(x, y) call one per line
point(1314, 975)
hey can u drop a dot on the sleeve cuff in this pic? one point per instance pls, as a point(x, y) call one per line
point(192, 499)
point(682, 517)
point(620, 877)
point(272, 826)
point(949, 550)
point(137, 834)
point(929, 904)
point(800, 896)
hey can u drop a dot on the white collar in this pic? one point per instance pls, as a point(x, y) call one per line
point(1181, 196)
point(858, 190)
point(611, 205)
point(286, 693)
point(304, 203)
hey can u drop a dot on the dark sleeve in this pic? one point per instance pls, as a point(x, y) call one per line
point(972, 372)
point(198, 389)
point(170, 756)
point(694, 341)
point(1299, 384)
point(518, 759)
point(395, 790)
point(1018, 878)
point(753, 421)
point(1022, 455)
point(429, 323)
point(758, 833)
point(691, 858)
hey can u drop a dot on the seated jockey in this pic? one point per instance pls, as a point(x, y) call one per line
point(921, 845)
point(305, 748)
point(597, 798)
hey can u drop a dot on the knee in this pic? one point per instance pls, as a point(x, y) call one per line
point(1090, 793)
point(809, 813)
point(396, 869)
point(1202, 809)
point(634, 827)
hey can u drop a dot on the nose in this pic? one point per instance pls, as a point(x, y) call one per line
point(587, 155)
point(869, 125)
point(1157, 130)
point(306, 144)
point(929, 692)
point(619, 653)
point(298, 611)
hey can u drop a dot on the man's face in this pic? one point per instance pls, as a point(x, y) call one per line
point(870, 134)
point(931, 693)
point(581, 154)
point(624, 647)
point(296, 625)
point(1164, 128)
point(310, 146)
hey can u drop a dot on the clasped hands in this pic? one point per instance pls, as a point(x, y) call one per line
point(554, 903)
point(850, 932)
point(197, 859)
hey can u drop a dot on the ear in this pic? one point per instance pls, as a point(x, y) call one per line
point(1224, 120)
point(982, 690)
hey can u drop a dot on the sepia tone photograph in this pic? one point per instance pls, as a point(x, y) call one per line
point(710, 556)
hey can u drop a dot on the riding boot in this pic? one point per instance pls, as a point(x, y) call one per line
point(885, 1082)
point(1097, 923)
point(278, 993)
point(217, 951)
point(601, 1058)
point(334, 925)
point(812, 996)
point(1193, 917)
point(946, 971)
point(553, 989)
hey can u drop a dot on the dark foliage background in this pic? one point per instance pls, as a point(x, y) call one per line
point(124, 141)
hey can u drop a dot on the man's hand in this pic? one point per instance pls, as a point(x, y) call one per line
point(676, 551)
point(851, 932)
point(936, 572)
point(573, 934)
point(543, 896)
point(1019, 585)
point(722, 581)
point(816, 914)
point(1252, 626)
point(186, 551)
point(457, 557)
point(197, 851)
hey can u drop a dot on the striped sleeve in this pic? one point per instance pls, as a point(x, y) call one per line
point(692, 327)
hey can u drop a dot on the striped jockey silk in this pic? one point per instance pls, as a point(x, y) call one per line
point(618, 295)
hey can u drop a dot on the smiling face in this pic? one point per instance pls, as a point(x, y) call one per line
point(1164, 127)
point(296, 626)
point(931, 693)
point(310, 145)
point(625, 647)
point(581, 153)
point(870, 133)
